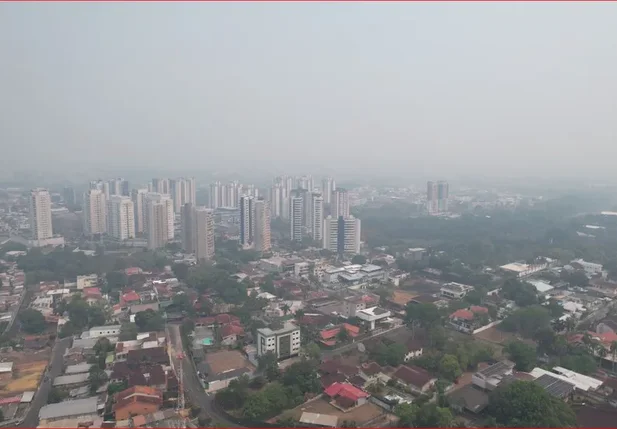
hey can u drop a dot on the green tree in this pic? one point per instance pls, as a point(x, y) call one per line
point(128, 332)
point(103, 346)
point(578, 278)
point(32, 321)
point(425, 315)
point(268, 365)
point(183, 303)
point(527, 321)
point(56, 395)
point(358, 259)
point(116, 280)
point(97, 378)
point(311, 351)
point(149, 320)
point(523, 355)
point(449, 367)
point(181, 271)
point(527, 404)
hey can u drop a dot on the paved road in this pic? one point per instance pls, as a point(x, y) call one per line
point(193, 389)
point(31, 420)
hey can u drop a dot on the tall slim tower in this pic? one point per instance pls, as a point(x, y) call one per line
point(139, 205)
point(276, 198)
point(340, 205)
point(120, 217)
point(153, 197)
point(296, 214)
point(182, 192)
point(119, 186)
point(443, 193)
point(203, 233)
point(327, 188)
point(158, 225)
point(262, 226)
point(40, 214)
point(215, 195)
point(247, 221)
point(317, 216)
point(161, 186)
point(69, 196)
point(432, 205)
point(187, 216)
point(95, 212)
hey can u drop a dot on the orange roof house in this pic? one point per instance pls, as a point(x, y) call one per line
point(137, 400)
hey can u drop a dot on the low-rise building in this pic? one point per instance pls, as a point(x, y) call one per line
point(83, 410)
point(489, 378)
point(373, 315)
point(454, 290)
point(137, 400)
point(417, 379)
point(284, 342)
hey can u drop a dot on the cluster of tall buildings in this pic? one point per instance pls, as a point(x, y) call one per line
point(114, 209)
point(228, 194)
point(437, 194)
point(321, 213)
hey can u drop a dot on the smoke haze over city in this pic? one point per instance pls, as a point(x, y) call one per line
point(428, 89)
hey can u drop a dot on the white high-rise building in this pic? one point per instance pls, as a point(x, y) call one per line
point(327, 189)
point(95, 212)
point(187, 218)
point(138, 196)
point(161, 186)
point(283, 343)
point(101, 186)
point(342, 235)
point(262, 226)
point(120, 217)
point(305, 182)
point(247, 221)
point(155, 197)
point(203, 233)
point(215, 195)
point(296, 212)
point(183, 192)
point(119, 186)
point(40, 214)
point(276, 198)
point(340, 205)
point(158, 225)
point(317, 216)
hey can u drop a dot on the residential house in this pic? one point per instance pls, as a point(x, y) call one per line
point(417, 379)
point(229, 334)
point(454, 290)
point(414, 349)
point(137, 400)
point(467, 320)
point(345, 395)
point(491, 377)
point(329, 337)
point(81, 410)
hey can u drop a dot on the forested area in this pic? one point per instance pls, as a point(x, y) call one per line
point(496, 237)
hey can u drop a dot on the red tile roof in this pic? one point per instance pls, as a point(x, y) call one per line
point(462, 314)
point(92, 292)
point(478, 309)
point(413, 375)
point(229, 330)
point(130, 297)
point(345, 390)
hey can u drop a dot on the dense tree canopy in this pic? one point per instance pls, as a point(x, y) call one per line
point(523, 355)
point(149, 320)
point(527, 404)
point(527, 321)
point(32, 321)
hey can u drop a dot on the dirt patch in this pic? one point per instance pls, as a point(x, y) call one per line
point(26, 377)
point(362, 414)
point(496, 336)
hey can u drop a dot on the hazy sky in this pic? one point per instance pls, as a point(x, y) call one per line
point(427, 88)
